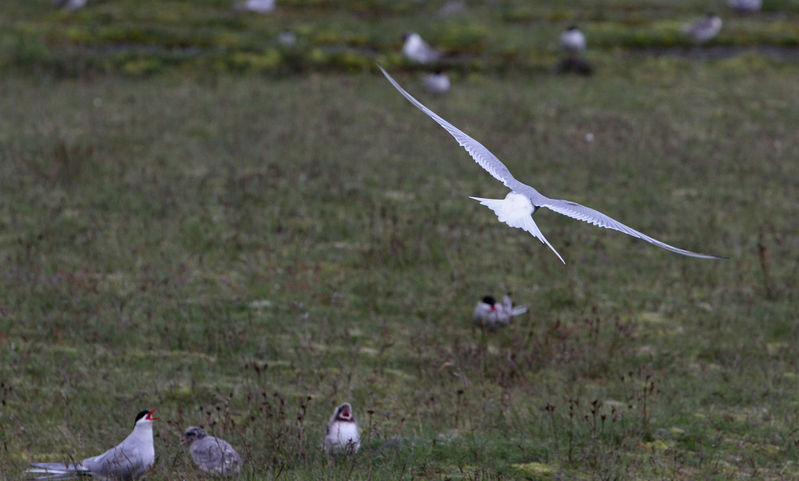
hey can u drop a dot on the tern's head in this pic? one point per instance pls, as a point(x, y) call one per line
point(193, 433)
point(144, 417)
point(571, 28)
point(489, 300)
point(344, 413)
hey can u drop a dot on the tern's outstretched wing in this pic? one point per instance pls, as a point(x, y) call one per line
point(479, 153)
point(594, 217)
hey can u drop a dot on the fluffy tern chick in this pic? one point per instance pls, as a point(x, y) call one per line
point(343, 435)
point(212, 455)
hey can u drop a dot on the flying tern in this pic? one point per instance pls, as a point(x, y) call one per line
point(517, 208)
point(127, 461)
point(212, 455)
point(342, 435)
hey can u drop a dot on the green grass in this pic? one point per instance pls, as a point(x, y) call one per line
point(246, 252)
point(139, 38)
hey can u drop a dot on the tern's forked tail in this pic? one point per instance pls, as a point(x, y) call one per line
point(516, 210)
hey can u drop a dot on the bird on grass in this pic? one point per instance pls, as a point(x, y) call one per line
point(491, 315)
point(436, 83)
point(745, 6)
point(212, 455)
point(572, 40)
point(70, 5)
point(342, 435)
point(417, 50)
point(255, 6)
point(126, 461)
point(517, 208)
point(703, 29)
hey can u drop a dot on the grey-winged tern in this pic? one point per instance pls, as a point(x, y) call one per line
point(128, 460)
point(490, 314)
point(517, 208)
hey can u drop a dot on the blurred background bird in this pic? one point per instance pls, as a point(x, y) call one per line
point(745, 6)
point(255, 6)
point(572, 40)
point(703, 29)
point(417, 50)
point(491, 315)
point(436, 83)
point(70, 5)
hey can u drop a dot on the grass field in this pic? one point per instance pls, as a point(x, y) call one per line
point(245, 252)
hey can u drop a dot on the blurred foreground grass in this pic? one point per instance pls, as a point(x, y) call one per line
point(246, 253)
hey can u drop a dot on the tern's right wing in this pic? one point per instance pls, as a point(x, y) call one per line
point(594, 217)
point(479, 153)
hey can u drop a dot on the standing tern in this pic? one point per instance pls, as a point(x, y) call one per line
point(745, 6)
point(517, 208)
point(436, 83)
point(342, 435)
point(417, 50)
point(212, 455)
point(127, 461)
point(703, 29)
point(572, 40)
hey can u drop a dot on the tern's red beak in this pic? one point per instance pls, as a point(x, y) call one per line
point(149, 416)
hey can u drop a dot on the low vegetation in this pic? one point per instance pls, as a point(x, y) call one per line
point(245, 252)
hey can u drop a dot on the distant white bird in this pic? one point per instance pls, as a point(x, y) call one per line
point(452, 7)
point(517, 208)
point(70, 5)
point(745, 6)
point(255, 6)
point(436, 83)
point(572, 40)
point(287, 38)
point(127, 461)
point(212, 455)
point(491, 315)
point(703, 29)
point(417, 50)
point(342, 435)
